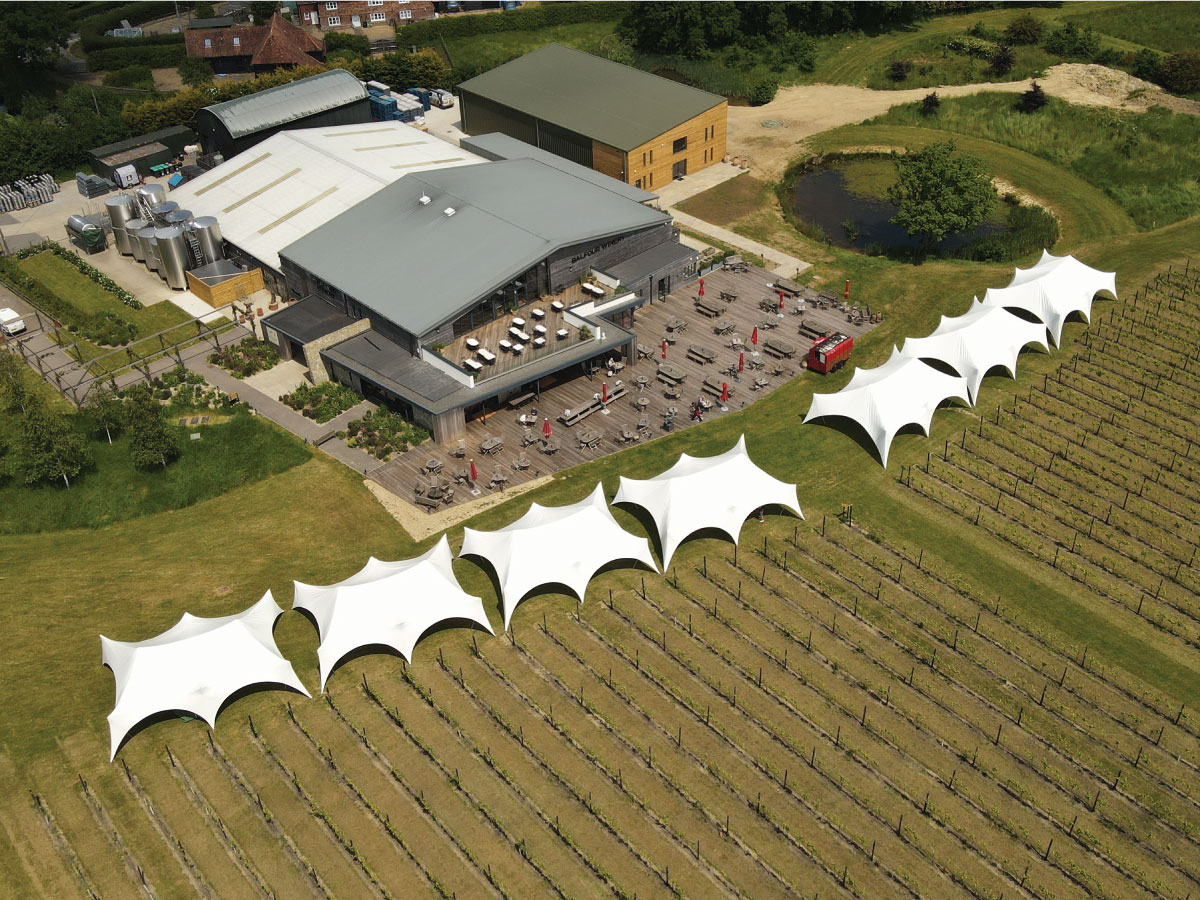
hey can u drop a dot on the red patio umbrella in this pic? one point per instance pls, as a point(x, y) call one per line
point(754, 336)
point(604, 393)
point(781, 301)
point(664, 348)
point(741, 362)
point(724, 391)
point(546, 429)
point(846, 295)
point(474, 471)
point(701, 287)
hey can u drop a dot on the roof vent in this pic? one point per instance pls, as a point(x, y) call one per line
point(425, 200)
point(449, 211)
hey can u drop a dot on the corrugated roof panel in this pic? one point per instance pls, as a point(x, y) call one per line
point(617, 105)
point(288, 102)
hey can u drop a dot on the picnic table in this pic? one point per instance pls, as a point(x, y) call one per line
point(760, 382)
point(722, 326)
point(641, 403)
point(641, 381)
point(433, 466)
point(714, 385)
point(755, 361)
point(644, 352)
point(768, 324)
point(589, 438)
point(486, 355)
point(780, 348)
point(727, 296)
point(701, 354)
point(674, 323)
point(672, 392)
point(462, 476)
point(768, 304)
point(549, 446)
point(669, 374)
point(491, 445)
point(708, 308)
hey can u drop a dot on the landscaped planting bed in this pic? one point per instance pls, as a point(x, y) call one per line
point(245, 358)
point(321, 403)
point(381, 433)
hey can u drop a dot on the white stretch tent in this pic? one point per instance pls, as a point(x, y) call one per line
point(706, 492)
point(885, 399)
point(195, 666)
point(555, 545)
point(982, 337)
point(1053, 289)
point(389, 603)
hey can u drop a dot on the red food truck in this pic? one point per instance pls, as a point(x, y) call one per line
point(828, 354)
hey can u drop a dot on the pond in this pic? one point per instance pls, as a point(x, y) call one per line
point(824, 197)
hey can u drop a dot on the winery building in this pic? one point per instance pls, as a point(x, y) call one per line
point(633, 126)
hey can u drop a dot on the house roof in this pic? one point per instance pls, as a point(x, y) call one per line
point(502, 146)
point(480, 227)
point(598, 98)
point(277, 43)
point(295, 181)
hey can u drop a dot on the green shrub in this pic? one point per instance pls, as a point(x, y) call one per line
point(898, 69)
point(930, 104)
point(245, 359)
point(195, 71)
point(358, 44)
point(382, 433)
point(1146, 65)
point(969, 46)
point(156, 57)
point(130, 76)
point(1024, 29)
point(323, 402)
point(1030, 228)
point(763, 92)
point(1033, 99)
point(1072, 42)
point(1180, 72)
point(1003, 60)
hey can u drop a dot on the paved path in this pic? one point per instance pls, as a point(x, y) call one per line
point(781, 263)
point(289, 419)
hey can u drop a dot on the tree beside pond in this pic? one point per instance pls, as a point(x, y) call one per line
point(940, 192)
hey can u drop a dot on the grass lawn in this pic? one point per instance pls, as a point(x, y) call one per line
point(502, 46)
point(1166, 27)
point(242, 450)
point(728, 200)
point(76, 289)
point(1146, 162)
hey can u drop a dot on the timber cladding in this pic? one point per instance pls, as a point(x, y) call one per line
point(227, 291)
point(654, 162)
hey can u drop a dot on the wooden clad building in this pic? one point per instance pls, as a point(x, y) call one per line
point(636, 127)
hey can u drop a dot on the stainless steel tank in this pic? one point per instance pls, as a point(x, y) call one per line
point(120, 211)
point(153, 194)
point(179, 217)
point(137, 246)
point(173, 253)
point(160, 211)
point(207, 231)
point(146, 236)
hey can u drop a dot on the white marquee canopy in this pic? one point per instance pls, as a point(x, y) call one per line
point(555, 545)
point(971, 344)
point(885, 399)
point(1053, 289)
point(706, 492)
point(388, 603)
point(195, 666)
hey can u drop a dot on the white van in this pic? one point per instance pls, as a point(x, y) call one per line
point(10, 322)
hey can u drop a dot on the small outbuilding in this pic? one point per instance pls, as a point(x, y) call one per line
point(143, 151)
point(329, 98)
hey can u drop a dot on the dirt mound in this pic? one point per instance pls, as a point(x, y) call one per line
point(1101, 86)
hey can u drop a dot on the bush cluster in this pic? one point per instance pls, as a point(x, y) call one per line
point(245, 359)
point(130, 76)
point(382, 433)
point(1030, 228)
point(323, 402)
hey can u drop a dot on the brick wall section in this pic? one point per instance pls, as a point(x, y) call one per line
point(347, 9)
point(312, 350)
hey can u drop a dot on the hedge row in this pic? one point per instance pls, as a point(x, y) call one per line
point(531, 17)
point(91, 29)
point(159, 57)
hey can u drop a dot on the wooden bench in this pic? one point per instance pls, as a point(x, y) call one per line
point(713, 386)
point(518, 402)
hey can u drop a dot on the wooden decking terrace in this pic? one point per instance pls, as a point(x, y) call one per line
point(571, 391)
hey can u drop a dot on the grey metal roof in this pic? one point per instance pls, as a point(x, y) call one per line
point(308, 320)
point(598, 98)
point(392, 367)
point(501, 146)
point(649, 261)
point(288, 102)
point(216, 22)
point(419, 266)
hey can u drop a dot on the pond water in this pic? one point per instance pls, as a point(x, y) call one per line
point(822, 198)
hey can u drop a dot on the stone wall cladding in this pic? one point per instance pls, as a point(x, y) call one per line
point(312, 350)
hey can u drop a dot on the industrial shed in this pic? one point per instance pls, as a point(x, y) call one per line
point(296, 181)
point(143, 151)
point(636, 127)
point(329, 98)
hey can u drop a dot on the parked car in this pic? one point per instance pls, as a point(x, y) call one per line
point(11, 322)
point(441, 99)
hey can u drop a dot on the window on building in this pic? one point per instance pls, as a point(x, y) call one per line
point(680, 145)
point(643, 160)
point(333, 20)
point(208, 43)
point(378, 17)
point(331, 4)
point(237, 42)
point(651, 157)
point(374, 2)
point(638, 183)
point(405, 14)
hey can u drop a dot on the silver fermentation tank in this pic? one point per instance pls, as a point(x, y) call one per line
point(120, 211)
point(174, 256)
point(137, 246)
point(207, 233)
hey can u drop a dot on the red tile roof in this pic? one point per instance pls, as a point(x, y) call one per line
point(277, 43)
